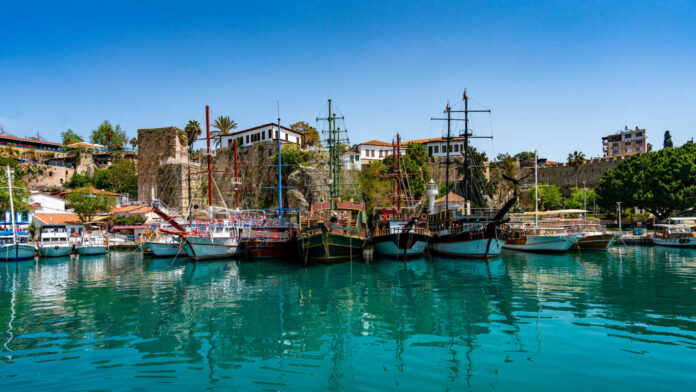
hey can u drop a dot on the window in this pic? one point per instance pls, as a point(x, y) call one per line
point(615, 144)
point(430, 151)
point(639, 134)
point(627, 136)
point(263, 135)
point(298, 140)
point(615, 152)
point(286, 137)
point(247, 139)
point(456, 148)
point(270, 134)
point(229, 142)
point(638, 149)
point(437, 149)
point(628, 143)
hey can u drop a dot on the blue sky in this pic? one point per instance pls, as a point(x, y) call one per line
point(556, 75)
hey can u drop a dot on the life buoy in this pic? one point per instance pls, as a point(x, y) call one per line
point(424, 216)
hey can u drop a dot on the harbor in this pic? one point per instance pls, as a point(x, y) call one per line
point(123, 321)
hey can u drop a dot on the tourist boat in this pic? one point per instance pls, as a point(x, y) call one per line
point(593, 236)
point(269, 242)
point(456, 229)
point(397, 235)
point(334, 230)
point(334, 234)
point(15, 246)
point(532, 238)
point(398, 232)
point(92, 245)
point(54, 241)
point(219, 239)
point(675, 235)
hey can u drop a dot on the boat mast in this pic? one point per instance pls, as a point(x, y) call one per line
point(397, 159)
point(536, 193)
point(333, 141)
point(280, 165)
point(236, 176)
point(210, 163)
point(12, 212)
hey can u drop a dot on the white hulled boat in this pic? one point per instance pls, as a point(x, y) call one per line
point(54, 241)
point(675, 235)
point(93, 244)
point(14, 244)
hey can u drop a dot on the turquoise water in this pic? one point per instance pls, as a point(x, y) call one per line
point(619, 321)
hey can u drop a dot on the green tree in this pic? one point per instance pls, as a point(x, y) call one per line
point(78, 181)
point(375, 190)
point(134, 142)
point(87, 205)
point(120, 177)
point(20, 195)
point(291, 154)
point(193, 131)
point(550, 197)
point(662, 182)
point(575, 200)
point(415, 167)
point(524, 156)
point(575, 160)
point(108, 135)
point(667, 143)
point(310, 136)
point(223, 124)
point(70, 137)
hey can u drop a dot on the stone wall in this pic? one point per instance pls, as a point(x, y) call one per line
point(46, 177)
point(156, 147)
point(563, 175)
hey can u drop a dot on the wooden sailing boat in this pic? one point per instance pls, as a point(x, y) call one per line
point(456, 231)
point(334, 230)
point(275, 237)
point(399, 231)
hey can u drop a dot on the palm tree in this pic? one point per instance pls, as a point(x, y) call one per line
point(576, 159)
point(223, 124)
point(134, 142)
point(193, 131)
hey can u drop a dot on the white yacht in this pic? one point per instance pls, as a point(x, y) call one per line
point(15, 246)
point(54, 241)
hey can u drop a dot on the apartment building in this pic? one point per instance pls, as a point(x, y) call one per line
point(625, 143)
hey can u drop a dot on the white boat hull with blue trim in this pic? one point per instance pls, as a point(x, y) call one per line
point(92, 250)
point(10, 252)
point(165, 249)
point(54, 250)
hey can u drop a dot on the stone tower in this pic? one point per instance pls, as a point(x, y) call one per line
point(162, 162)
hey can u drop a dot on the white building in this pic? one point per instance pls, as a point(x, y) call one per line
point(45, 203)
point(437, 146)
point(262, 133)
point(350, 160)
point(71, 222)
point(374, 150)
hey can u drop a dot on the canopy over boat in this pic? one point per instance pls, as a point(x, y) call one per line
point(555, 212)
point(8, 233)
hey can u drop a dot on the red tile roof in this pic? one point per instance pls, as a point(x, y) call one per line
point(434, 140)
point(57, 219)
point(375, 143)
point(22, 139)
point(453, 198)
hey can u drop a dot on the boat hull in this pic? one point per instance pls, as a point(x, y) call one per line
point(328, 247)
point(599, 242)
point(467, 248)
point(55, 250)
point(205, 248)
point(16, 252)
point(542, 243)
point(267, 249)
point(689, 242)
point(159, 249)
point(92, 250)
point(401, 245)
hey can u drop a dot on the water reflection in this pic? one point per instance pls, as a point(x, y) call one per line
point(426, 323)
